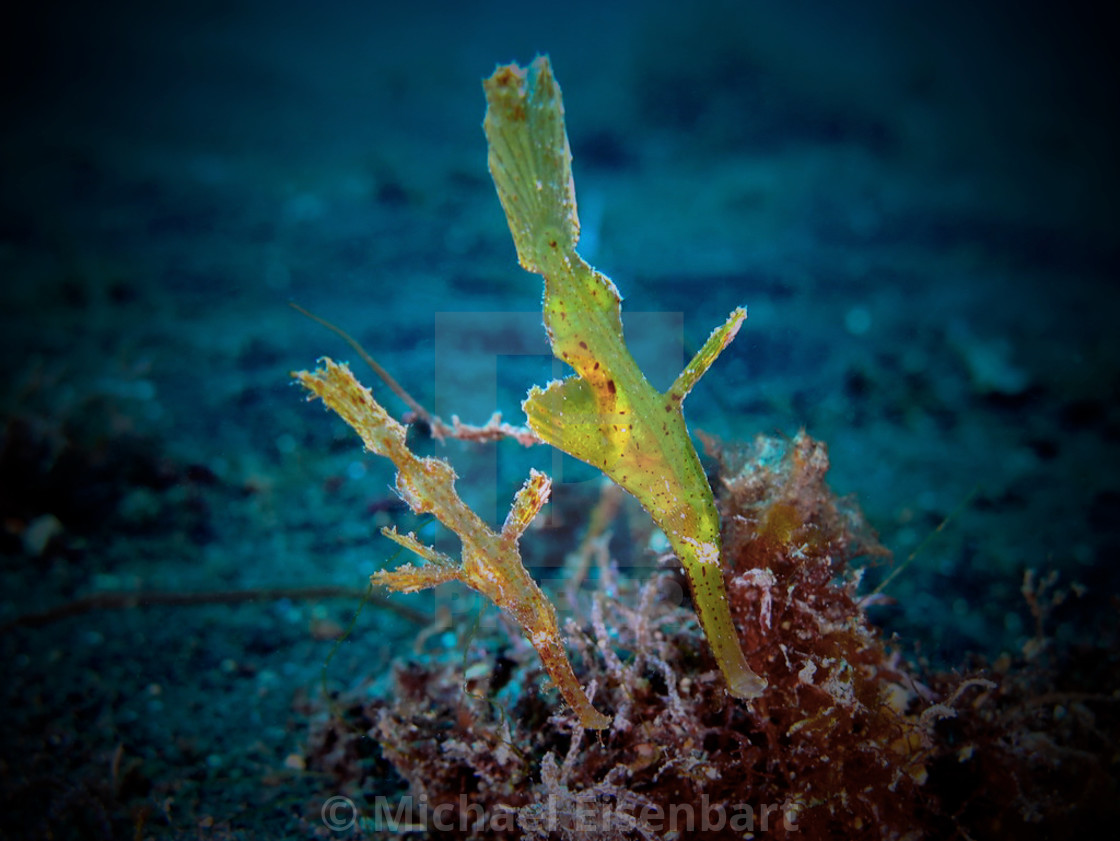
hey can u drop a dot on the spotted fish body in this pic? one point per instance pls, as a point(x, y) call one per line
point(607, 414)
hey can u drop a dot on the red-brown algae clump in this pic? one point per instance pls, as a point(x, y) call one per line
point(841, 724)
point(845, 742)
point(838, 743)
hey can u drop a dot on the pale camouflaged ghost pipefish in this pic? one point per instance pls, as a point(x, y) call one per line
point(491, 562)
